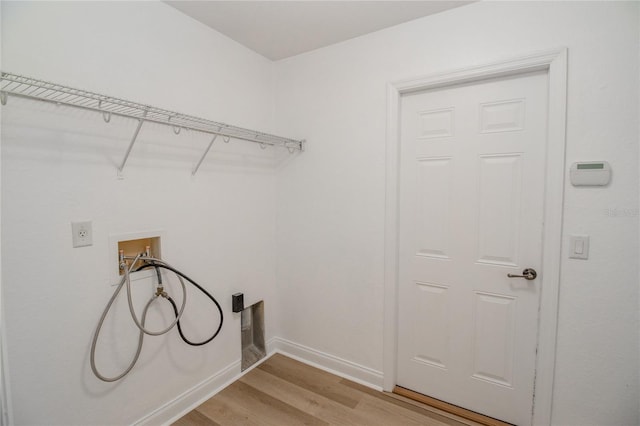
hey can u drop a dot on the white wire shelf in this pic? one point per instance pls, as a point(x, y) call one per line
point(30, 88)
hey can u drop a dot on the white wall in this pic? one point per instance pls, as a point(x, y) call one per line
point(4, 391)
point(330, 224)
point(59, 166)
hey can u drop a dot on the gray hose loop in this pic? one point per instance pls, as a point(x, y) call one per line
point(94, 342)
point(130, 300)
point(140, 324)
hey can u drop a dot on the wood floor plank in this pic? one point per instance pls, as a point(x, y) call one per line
point(283, 392)
point(266, 409)
point(368, 411)
point(309, 378)
point(195, 418)
point(390, 414)
point(220, 412)
point(431, 409)
point(421, 411)
point(462, 412)
point(310, 402)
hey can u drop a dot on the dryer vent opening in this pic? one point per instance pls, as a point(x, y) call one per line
point(252, 329)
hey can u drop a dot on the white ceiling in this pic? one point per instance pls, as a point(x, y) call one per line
point(280, 29)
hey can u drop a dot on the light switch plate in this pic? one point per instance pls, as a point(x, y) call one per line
point(579, 247)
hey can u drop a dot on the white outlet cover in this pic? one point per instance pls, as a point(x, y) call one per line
point(81, 234)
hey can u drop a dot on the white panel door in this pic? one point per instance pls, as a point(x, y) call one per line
point(471, 206)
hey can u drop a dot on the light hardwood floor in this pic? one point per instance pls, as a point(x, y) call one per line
point(282, 391)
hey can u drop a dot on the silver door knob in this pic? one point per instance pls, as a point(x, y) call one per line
point(527, 274)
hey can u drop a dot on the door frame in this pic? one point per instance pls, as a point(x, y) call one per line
point(555, 63)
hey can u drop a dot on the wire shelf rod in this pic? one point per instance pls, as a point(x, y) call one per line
point(203, 129)
point(25, 87)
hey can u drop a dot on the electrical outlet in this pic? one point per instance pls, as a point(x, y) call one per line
point(82, 234)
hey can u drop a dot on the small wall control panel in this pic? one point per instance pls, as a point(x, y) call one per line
point(590, 173)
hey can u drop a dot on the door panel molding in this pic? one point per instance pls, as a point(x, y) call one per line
point(554, 62)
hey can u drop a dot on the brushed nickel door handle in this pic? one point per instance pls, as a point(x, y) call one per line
point(527, 274)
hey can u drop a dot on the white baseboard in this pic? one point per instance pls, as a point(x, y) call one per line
point(190, 399)
point(340, 367)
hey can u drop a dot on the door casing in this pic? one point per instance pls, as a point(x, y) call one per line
point(555, 64)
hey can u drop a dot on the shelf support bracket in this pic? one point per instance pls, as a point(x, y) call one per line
point(3, 98)
point(133, 141)
point(206, 151)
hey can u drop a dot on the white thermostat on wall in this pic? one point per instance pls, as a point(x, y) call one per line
point(590, 173)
